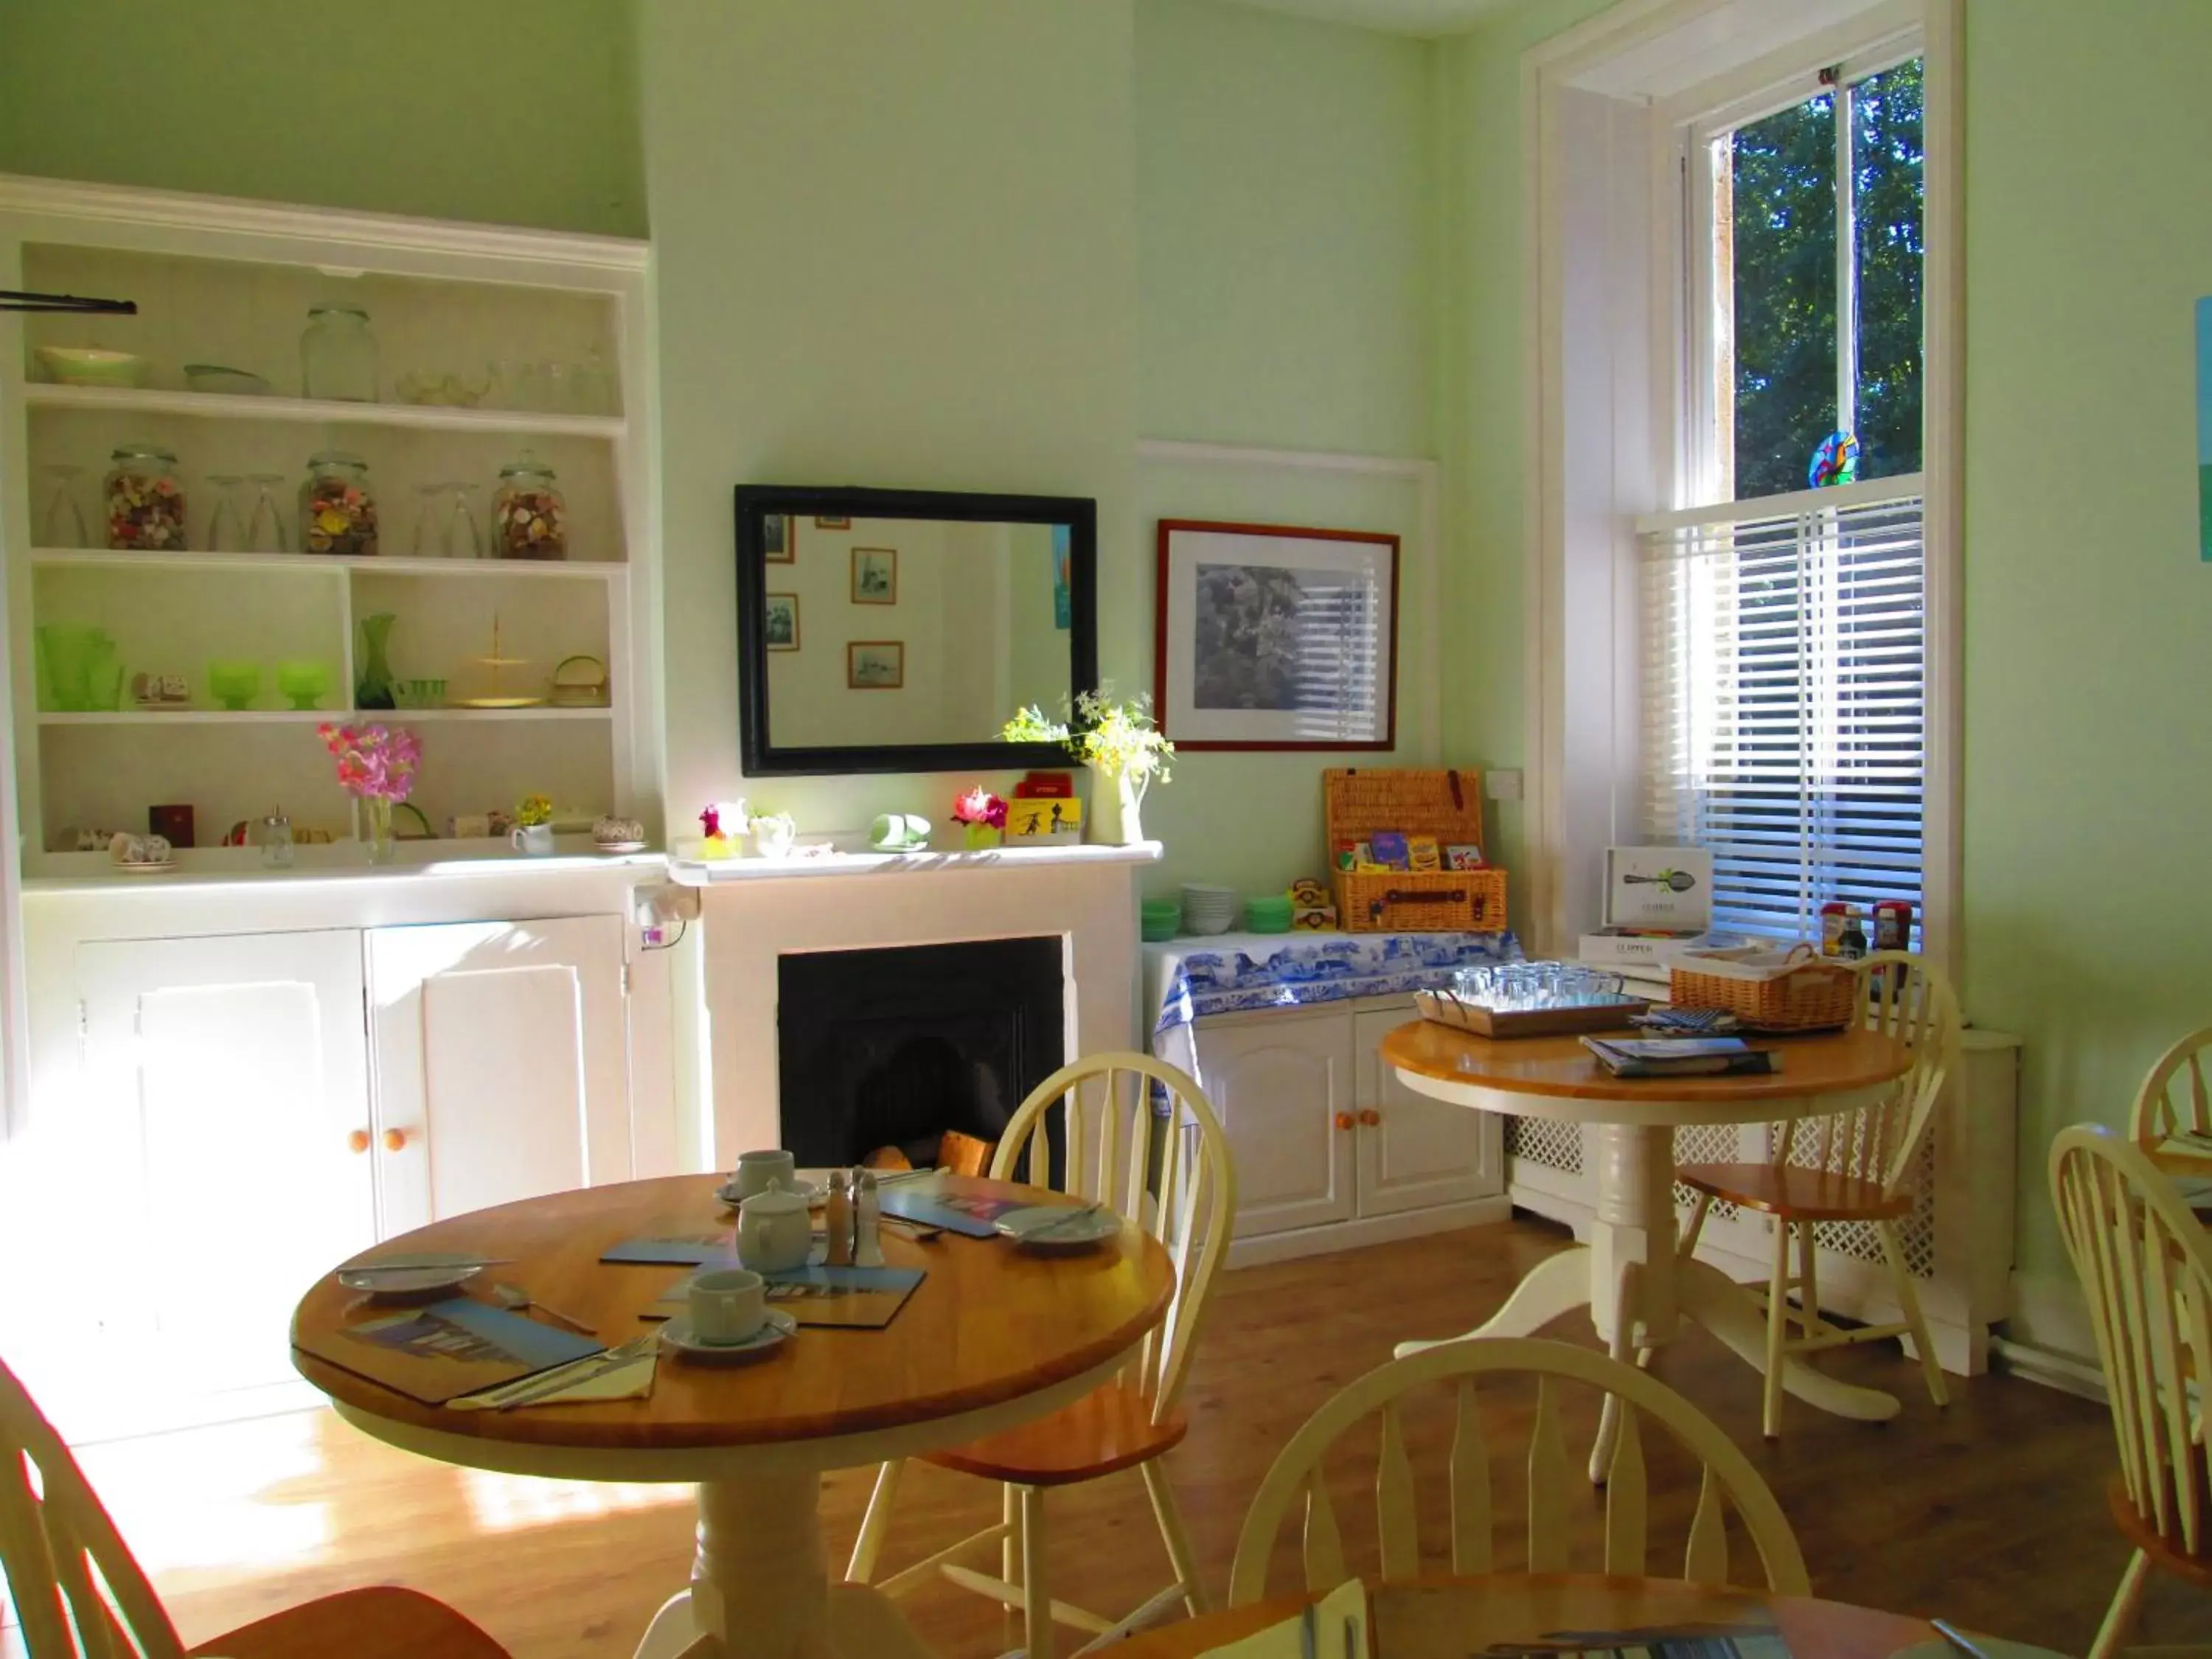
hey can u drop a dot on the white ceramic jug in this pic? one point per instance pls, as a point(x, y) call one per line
point(774, 1233)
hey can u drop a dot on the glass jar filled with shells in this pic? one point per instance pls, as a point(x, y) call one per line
point(143, 500)
point(529, 519)
point(337, 509)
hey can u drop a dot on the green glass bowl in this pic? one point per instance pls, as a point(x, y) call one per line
point(234, 685)
point(1157, 920)
point(304, 682)
point(1267, 915)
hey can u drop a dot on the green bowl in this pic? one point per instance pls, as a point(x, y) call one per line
point(235, 684)
point(90, 366)
point(1267, 915)
point(304, 682)
point(1159, 919)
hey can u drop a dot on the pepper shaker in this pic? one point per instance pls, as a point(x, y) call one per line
point(867, 1215)
point(837, 1220)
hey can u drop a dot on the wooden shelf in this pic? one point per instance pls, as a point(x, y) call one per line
point(312, 411)
point(187, 559)
point(314, 716)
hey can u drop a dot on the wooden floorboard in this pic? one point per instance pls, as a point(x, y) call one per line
point(1991, 1513)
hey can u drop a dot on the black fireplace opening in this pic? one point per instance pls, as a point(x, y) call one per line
point(892, 1048)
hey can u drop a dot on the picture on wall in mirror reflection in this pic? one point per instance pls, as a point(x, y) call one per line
point(1273, 637)
point(780, 622)
point(1063, 596)
point(875, 665)
point(776, 535)
point(838, 522)
point(875, 575)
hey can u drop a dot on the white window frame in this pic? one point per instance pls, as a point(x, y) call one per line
point(1578, 535)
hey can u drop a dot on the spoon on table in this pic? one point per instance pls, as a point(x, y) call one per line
point(514, 1299)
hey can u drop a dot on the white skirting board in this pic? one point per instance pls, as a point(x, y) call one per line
point(2048, 1338)
point(1367, 1229)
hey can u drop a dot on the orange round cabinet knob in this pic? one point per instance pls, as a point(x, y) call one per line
point(357, 1141)
point(1345, 1119)
point(1369, 1116)
point(394, 1139)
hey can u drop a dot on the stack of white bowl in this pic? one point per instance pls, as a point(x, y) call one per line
point(1207, 908)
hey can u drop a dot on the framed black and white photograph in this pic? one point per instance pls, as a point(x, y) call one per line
point(780, 622)
point(1267, 636)
point(776, 535)
point(875, 575)
point(875, 665)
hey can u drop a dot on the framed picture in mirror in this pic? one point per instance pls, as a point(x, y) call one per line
point(989, 603)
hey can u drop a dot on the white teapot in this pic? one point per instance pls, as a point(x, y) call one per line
point(773, 1232)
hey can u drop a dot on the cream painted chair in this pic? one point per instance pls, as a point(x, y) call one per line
point(80, 1594)
point(1113, 1147)
point(1555, 1482)
point(1861, 1165)
point(2145, 1264)
point(2173, 1099)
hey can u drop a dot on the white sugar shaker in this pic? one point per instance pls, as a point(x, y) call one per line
point(837, 1220)
point(867, 1217)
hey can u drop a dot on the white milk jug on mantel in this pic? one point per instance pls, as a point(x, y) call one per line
point(1117, 807)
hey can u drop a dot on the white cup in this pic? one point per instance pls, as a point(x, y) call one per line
point(728, 1304)
point(757, 1169)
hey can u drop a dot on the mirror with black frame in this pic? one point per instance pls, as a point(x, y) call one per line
point(898, 630)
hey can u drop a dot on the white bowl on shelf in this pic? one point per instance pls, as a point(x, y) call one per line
point(1207, 908)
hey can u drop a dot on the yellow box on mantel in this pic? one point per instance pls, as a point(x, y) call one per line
point(1044, 822)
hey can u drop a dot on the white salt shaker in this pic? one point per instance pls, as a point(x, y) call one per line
point(867, 1215)
point(837, 1220)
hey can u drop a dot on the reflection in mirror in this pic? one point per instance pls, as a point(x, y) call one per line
point(913, 631)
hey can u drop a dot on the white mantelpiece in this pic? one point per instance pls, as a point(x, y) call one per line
point(754, 911)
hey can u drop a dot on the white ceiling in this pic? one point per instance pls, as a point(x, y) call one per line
point(1417, 17)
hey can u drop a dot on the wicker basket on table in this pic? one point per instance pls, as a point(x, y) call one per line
point(1446, 805)
point(1815, 994)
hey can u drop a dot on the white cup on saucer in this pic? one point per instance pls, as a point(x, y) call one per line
point(728, 1304)
point(757, 1169)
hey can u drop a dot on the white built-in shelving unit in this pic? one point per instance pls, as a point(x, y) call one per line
point(229, 282)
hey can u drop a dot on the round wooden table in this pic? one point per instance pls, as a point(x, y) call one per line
point(1454, 1617)
point(994, 1337)
point(1628, 1275)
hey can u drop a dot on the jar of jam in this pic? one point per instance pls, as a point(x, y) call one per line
point(338, 511)
point(529, 520)
point(144, 503)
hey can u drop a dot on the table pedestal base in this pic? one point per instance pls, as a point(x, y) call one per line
point(1634, 1285)
point(761, 1589)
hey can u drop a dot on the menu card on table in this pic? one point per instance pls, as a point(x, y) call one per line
point(448, 1348)
point(842, 1298)
point(957, 1203)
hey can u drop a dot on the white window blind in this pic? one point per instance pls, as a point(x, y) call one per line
point(1784, 675)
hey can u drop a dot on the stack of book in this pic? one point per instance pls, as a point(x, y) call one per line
point(1681, 1056)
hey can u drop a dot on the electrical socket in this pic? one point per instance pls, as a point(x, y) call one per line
point(1503, 784)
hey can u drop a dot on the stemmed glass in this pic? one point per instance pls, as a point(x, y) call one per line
point(429, 521)
point(226, 528)
point(63, 523)
point(264, 530)
point(463, 539)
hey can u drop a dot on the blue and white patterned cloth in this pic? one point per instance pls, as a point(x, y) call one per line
point(1187, 979)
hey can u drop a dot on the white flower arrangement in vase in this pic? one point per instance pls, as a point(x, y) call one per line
point(1116, 738)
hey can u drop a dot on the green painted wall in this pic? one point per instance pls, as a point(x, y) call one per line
point(516, 111)
point(1284, 248)
point(2086, 606)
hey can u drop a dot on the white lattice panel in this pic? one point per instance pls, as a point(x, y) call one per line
point(1858, 1239)
point(1706, 1143)
point(1542, 1142)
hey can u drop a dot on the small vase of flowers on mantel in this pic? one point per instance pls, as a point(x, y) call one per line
point(1127, 753)
point(982, 816)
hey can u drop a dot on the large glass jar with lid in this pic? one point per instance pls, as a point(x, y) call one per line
point(143, 501)
point(338, 354)
point(529, 520)
point(337, 510)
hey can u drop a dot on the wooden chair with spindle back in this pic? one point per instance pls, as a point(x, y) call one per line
point(1171, 1174)
point(2145, 1264)
point(80, 1594)
point(2173, 1099)
point(1863, 1165)
point(1728, 1477)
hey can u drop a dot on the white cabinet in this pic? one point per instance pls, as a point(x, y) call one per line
point(501, 1069)
point(228, 1084)
point(1331, 1150)
point(1281, 1085)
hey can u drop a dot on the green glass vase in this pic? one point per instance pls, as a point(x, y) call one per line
point(372, 686)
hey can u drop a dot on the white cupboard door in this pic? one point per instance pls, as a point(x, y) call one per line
point(1415, 1152)
point(232, 1075)
point(502, 1063)
point(1281, 1085)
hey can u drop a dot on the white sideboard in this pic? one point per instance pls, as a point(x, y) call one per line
point(1331, 1150)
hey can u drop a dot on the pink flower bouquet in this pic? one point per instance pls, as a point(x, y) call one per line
point(982, 814)
point(374, 761)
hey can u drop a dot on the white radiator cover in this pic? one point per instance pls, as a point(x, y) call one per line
point(1957, 1239)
